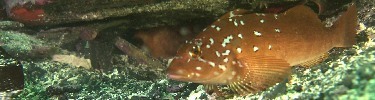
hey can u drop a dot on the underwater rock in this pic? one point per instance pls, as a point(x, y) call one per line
point(60, 90)
point(56, 12)
point(11, 73)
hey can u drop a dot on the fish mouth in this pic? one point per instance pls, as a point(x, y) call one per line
point(174, 76)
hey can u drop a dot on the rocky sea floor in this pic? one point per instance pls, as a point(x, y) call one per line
point(347, 74)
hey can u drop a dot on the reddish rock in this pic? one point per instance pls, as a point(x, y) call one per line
point(25, 15)
point(26, 11)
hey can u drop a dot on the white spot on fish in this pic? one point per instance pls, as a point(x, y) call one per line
point(198, 68)
point(242, 23)
point(275, 15)
point(239, 64)
point(223, 44)
point(213, 26)
point(169, 62)
point(239, 50)
point(230, 19)
point(198, 42)
point(256, 33)
point(180, 71)
point(211, 41)
point(204, 29)
point(226, 40)
point(230, 77)
point(226, 53)
point(240, 35)
point(277, 30)
point(230, 37)
point(208, 46)
point(235, 23)
point(217, 53)
point(202, 60)
point(212, 64)
point(233, 72)
point(261, 21)
point(269, 47)
point(225, 60)
point(238, 77)
point(218, 28)
point(255, 48)
point(223, 67)
point(197, 74)
point(231, 14)
point(216, 73)
point(234, 62)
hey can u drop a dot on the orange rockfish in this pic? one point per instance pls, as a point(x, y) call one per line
point(249, 52)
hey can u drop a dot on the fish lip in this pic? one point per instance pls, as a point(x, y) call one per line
point(174, 77)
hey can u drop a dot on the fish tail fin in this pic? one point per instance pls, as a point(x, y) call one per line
point(347, 26)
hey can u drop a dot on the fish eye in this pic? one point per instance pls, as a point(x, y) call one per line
point(195, 52)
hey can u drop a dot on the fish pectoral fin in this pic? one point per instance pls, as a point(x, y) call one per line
point(257, 73)
point(217, 89)
point(220, 92)
point(314, 61)
point(210, 89)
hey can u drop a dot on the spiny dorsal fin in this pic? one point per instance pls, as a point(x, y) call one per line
point(314, 61)
point(259, 73)
point(302, 12)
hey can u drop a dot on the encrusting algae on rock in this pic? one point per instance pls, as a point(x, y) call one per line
point(251, 52)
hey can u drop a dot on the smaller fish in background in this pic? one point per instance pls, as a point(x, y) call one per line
point(250, 52)
point(164, 41)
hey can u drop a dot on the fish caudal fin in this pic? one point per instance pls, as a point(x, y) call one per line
point(346, 26)
point(259, 73)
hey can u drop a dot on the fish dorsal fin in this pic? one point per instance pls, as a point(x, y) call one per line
point(302, 13)
point(259, 73)
point(315, 61)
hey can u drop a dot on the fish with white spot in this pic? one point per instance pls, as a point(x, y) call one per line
point(259, 53)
